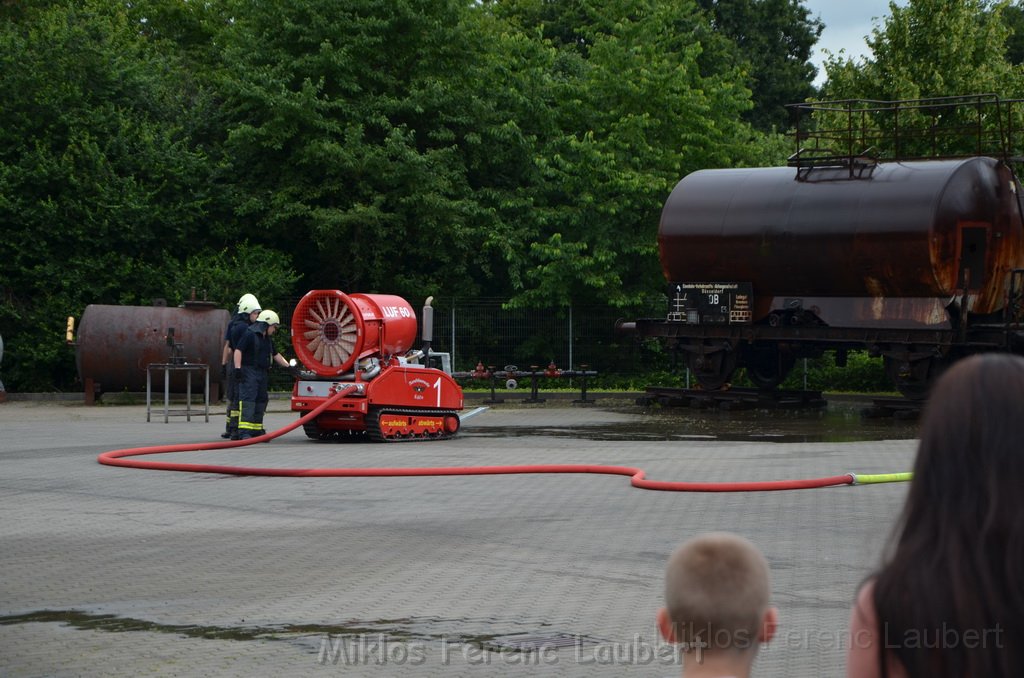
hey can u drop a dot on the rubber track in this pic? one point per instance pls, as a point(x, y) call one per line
point(376, 435)
point(314, 432)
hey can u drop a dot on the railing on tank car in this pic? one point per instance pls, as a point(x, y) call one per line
point(855, 134)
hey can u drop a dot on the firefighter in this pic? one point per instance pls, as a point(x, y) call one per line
point(248, 309)
point(254, 354)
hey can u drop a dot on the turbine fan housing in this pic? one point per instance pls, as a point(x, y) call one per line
point(331, 330)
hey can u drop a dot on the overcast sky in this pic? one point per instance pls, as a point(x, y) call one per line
point(847, 23)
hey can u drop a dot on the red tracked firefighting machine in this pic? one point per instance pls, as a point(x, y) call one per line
point(365, 340)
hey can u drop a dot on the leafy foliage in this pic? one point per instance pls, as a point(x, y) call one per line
point(405, 146)
point(862, 374)
point(349, 127)
point(227, 273)
point(774, 40)
point(99, 185)
point(642, 116)
point(930, 48)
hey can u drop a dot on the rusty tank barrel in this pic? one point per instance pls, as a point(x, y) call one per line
point(900, 231)
point(116, 344)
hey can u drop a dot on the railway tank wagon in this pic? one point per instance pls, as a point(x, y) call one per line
point(917, 262)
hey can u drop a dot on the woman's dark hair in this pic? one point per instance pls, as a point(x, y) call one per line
point(950, 596)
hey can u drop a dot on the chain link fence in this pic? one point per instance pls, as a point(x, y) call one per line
point(484, 331)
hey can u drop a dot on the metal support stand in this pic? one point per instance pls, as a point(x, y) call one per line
point(511, 372)
point(494, 381)
point(583, 399)
point(188, 369)
point(534, 378)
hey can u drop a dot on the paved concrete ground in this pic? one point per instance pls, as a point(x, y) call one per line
point(122, 572)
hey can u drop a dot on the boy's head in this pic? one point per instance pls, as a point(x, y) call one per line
point(717, 595)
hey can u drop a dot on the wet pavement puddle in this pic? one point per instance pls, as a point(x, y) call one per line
point(839, 422)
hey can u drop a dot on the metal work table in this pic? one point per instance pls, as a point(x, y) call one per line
point(188, 369)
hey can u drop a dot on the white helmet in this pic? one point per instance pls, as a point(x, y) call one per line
point(248, 304)
point(268, 317)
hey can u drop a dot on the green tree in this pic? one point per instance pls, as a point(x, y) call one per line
point(930, 48)
point(441, 147)
point(774, 39)
point(350, 126)
point(1014, 17)
point(769, 42)
point(635, 114)
point(101, 190)
point(405, 146)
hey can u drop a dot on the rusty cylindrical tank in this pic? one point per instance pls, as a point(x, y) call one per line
point(115, 344)
point(331, 330)
point(889, 246)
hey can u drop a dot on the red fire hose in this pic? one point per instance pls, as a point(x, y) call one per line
point(117, 458)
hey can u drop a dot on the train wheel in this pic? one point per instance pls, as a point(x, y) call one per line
point(713, 370)
point(913, 378)
point(767, 369)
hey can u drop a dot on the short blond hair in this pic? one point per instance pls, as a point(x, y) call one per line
point(717, 591)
